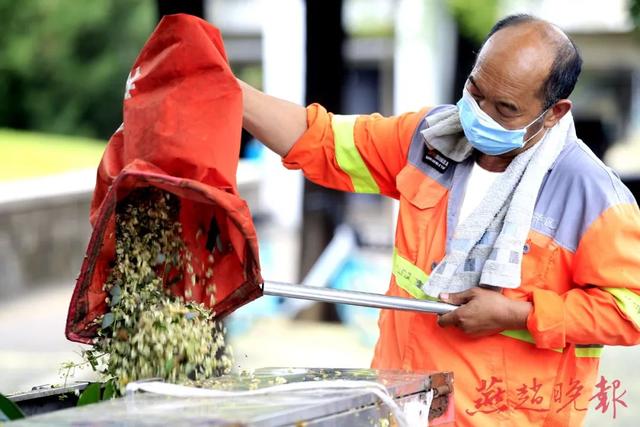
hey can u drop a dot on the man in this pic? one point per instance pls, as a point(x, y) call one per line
point(537, 306)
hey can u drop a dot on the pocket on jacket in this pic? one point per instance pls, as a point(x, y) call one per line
point(421, 191)
point(423, 215)
point(539, 255)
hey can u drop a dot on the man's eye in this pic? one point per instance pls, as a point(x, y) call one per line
point(507, 110)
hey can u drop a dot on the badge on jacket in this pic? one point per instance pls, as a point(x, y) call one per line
point(436, 160)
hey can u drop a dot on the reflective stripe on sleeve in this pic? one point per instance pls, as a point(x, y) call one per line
point(591, 350)
point(628, 302)
point(523, 335)
point(586, 350)
point(409, 277)
point(348, 156)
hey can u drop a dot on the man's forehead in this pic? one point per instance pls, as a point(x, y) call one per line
point(516, 59)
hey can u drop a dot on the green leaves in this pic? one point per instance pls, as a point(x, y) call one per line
point(474, 17)
point(116, 295)
point(96, 392)
point(148, 332)
point(67, 73)
point(634, 11)
point(168, 366)
point(90, 356)
point(90, 395)
point(107, 320)
point(9, 411)
point(109, 391)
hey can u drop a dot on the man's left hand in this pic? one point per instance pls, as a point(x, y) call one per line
point(484, 312)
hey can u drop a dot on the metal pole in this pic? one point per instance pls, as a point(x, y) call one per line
point(364, 299)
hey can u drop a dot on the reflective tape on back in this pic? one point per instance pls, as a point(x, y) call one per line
point(348, 156)
point(628, 302)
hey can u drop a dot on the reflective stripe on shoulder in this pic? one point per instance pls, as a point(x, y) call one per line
point(628, 302)
point(588, 350)
point(409, 277)
point(348, 156)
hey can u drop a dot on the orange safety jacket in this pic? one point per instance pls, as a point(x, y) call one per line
point(581, 268)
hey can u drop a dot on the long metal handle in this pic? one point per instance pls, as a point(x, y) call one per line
point(364, 299)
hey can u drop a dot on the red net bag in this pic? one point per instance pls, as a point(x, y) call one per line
point(181, 134)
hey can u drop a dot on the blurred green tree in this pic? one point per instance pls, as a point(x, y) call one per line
point(474, 17)
point(64, 63)
point(634, 10)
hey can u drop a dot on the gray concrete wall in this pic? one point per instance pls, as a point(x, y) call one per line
point(44, 231)
point(43, 243)
point(44, 227)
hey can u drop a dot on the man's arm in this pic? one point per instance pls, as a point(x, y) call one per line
point(275, 122)
point(602, 308)
point(604, 305)
point(355, 153)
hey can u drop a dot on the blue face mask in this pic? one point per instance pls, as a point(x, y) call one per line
point(487, 135)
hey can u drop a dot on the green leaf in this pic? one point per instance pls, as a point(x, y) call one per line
point(115, 300)
point(91, 358)
point(116, 290)
point(9, 409)
point(107, 320)
point(90, 395)
point(168, 365)
point(109, 390)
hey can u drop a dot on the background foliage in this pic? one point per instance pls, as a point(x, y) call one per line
point(634, 9)
point(63, 63)
point(474, 17)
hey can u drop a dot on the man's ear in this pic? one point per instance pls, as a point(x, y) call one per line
point(556, 112)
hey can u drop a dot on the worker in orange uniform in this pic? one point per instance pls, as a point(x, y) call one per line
point(503, 211)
